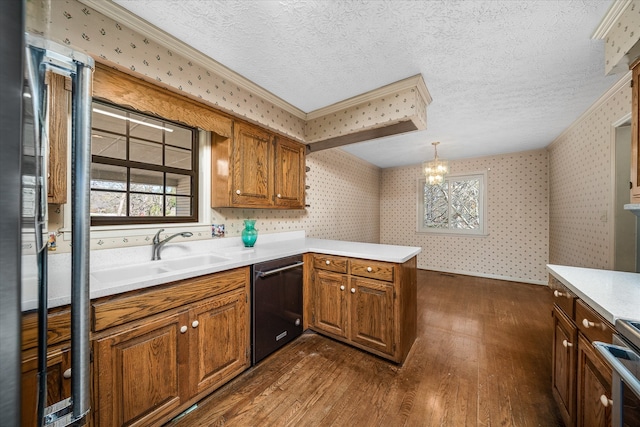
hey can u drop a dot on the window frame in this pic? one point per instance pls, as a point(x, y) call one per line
point(481, 231)
point(193, 173)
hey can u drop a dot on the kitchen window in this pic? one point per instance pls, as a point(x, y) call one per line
point(457, 206)
point(144, 169)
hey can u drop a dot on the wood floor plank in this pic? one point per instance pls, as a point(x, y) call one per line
point(482, 358)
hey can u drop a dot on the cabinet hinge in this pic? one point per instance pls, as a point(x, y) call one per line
point(313, 319)
point(631, 85)
point(246, 352)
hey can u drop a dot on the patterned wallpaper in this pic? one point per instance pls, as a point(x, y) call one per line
point(85, 29)
point(402, 105)
point(622, 36)
point(580, 189)
point(517, 245)
point(82, 28)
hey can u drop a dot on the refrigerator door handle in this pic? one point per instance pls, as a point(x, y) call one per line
point(43, 54)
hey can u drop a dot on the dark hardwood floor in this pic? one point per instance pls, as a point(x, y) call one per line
point(482, 358)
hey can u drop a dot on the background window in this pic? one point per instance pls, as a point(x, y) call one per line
point(456, 206)
point(143, 168)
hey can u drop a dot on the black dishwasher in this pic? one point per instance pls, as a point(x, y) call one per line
point(276, 296)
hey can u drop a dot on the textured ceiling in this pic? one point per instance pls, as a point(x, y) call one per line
point(505, 76)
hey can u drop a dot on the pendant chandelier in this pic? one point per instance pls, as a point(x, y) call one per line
point(435, 170)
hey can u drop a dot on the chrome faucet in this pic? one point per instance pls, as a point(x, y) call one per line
point(157, 244)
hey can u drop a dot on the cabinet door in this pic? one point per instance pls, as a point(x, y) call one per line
point(594, 387)
point(330, 302)
point(372, 314)
point(137, 372)
point(252, 163)
point(563, 377)
point(219, 340)
point(635, 135)
point(289, 174)
point(59, 89)
point(58, 387)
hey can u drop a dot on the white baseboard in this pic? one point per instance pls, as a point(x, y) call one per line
point(487, 276)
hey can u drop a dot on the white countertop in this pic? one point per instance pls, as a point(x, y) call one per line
point(108, 278)
point(613, 294)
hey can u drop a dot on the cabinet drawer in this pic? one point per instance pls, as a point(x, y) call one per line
point(58, 325)
point(120, 309)
point(331, 263)
point(563, 297)
point(591, 324)
point(372, 269)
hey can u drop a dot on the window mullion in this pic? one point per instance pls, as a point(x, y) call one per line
point(128, 158)
point(449, 207)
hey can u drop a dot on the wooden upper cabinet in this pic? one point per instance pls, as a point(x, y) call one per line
point(289, 174)
point(251, 167)
point(256, 169)
point(59, 104)
point(635, 134)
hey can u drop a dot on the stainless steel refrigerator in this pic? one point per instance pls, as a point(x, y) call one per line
point(25, 59)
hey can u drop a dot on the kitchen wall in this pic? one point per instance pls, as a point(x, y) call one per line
point(580, 190)
point(344, 190)
point(516, 247)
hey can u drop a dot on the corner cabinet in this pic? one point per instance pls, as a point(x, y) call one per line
point(368, 304)
point(158, 351)
point(257, 169)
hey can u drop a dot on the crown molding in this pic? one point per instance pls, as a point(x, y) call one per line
point(611, 17)
point(411, 82)
point(123, 16)
point(624, 81)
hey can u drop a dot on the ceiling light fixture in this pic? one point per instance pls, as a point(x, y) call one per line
point(435, 170)
point(118, 116)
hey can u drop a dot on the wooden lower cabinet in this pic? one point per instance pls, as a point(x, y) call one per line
point(330, 302)
point(137, 372)
point(149, 370)
point(369, 304)
point(594, 387)
point(58, 385)
point(372, 314)
point(219, 341)
point(563, 378)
